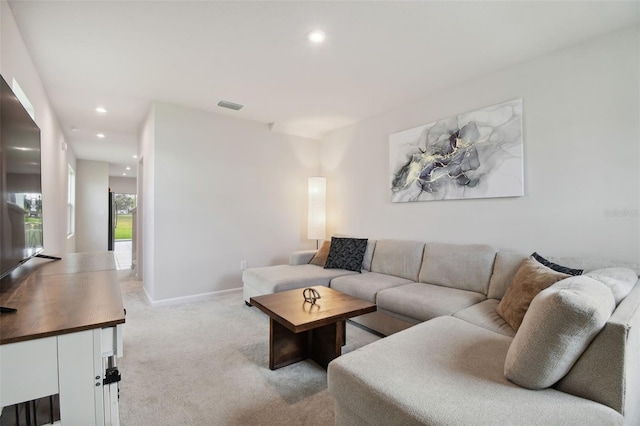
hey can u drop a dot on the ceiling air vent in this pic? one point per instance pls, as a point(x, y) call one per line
point(231, 105)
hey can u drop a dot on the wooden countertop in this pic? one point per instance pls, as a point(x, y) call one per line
point(79, 292)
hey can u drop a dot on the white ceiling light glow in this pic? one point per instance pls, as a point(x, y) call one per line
point(101, 110)
point(316, 36)
point(101, 135)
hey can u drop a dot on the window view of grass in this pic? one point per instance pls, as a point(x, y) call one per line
point(123, 227)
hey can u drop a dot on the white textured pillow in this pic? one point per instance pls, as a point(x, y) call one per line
point(559, 325)
point(619, 280)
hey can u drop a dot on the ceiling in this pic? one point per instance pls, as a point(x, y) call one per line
point(377, 56)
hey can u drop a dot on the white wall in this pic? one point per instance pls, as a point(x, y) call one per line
point(123, 185)
point(92, 205)
point(225, 190)
point(581, 133)
point(15, 62)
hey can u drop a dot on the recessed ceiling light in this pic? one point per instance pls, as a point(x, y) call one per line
point(135, 156)
point(128, 168)
point(101, 135)
point(316, 36)
point(101, 110)
point(124, 174)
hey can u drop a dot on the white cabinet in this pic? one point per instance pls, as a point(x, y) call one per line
point(72, 365)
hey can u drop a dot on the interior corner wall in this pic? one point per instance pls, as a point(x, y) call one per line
point(16, 63)
point(92, 205)
point(581, 160)
point(145, 228)
point(225, 190)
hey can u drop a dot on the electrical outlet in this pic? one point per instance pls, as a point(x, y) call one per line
point(243, 265)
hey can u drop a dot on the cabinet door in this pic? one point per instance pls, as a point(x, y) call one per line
point(80, 364)
point(29, 370)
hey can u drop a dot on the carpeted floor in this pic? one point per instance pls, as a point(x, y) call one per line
point(206, 363)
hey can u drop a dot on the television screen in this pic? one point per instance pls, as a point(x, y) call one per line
point(20, 182)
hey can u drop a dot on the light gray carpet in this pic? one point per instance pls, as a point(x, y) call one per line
point(206, 363)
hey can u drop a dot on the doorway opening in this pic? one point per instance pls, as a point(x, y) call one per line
point(124, 206)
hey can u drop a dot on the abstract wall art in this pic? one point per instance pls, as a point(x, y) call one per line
point(474, 155)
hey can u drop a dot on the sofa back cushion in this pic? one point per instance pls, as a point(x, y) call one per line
point(504, 269)
point(368, 255)
point(399, 258)
point(608, 371)
point(465, 267)
point(559, 325)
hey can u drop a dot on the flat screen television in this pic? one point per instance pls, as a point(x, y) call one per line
point(20, 183)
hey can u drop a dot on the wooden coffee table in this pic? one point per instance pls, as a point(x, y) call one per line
point(299, 330)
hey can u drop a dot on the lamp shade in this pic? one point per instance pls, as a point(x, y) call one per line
point(317, 213)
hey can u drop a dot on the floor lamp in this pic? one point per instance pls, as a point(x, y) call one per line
point(317, 211)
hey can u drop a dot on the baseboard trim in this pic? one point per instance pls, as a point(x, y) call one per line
point(190, 299)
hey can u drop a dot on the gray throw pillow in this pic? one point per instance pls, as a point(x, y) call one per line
point(559, 325)
point(619, 280)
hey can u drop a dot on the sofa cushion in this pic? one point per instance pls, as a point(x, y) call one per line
point(399, 258)
point(366, 285)
point(425, 301)
point(484, 315)
point(465, 267)
point(559, 325)
point(320, 258)
point(448, 372)
point(346, 253)
point(532, 277)
point(619, 280)
point(272, 279)
point(504, 269)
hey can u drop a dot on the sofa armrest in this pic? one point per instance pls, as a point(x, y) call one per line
point(301, 257)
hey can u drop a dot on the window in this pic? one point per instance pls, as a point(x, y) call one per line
point(71, 202)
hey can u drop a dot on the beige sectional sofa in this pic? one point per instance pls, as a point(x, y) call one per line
point(443, 362)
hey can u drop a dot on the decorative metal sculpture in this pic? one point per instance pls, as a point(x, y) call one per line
point(311, 295)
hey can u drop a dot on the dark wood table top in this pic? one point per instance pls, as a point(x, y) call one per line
point(290, 309)
point(79, 292)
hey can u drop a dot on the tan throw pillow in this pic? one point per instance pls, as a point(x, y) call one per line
point(531, 279)
point(561, 322)
point(320, 258)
